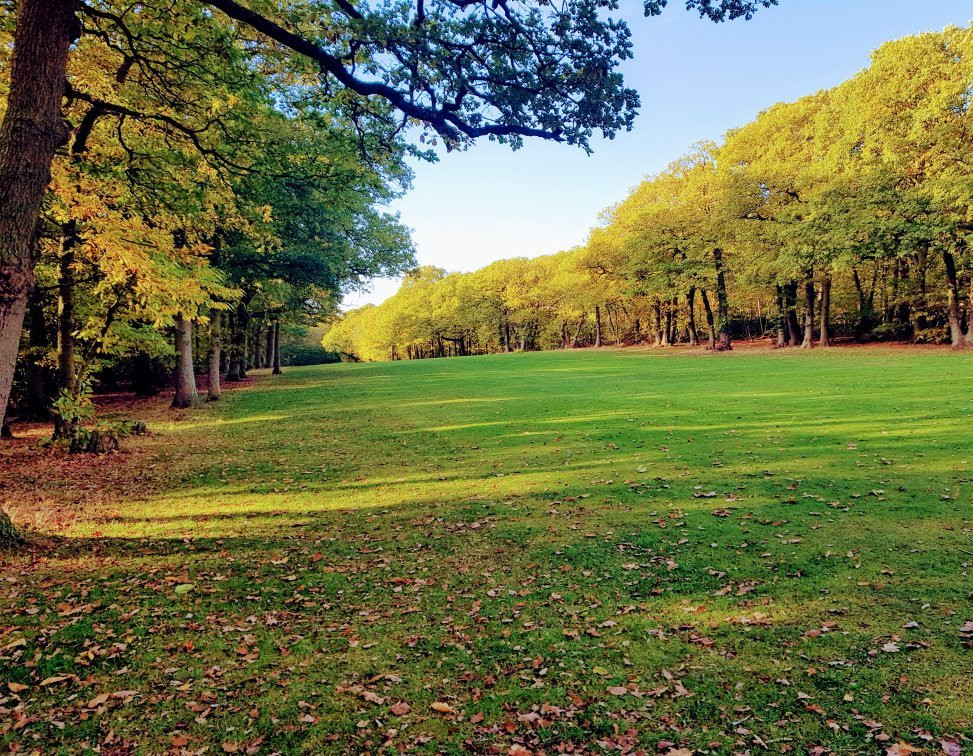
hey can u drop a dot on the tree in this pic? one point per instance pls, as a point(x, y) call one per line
point(464, 68)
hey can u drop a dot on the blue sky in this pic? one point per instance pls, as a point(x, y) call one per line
point(696, 80)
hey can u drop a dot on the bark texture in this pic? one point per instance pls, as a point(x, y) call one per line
point(31, 130)
point(277, 370)
point(722, 303)
point(213, 388)
point(185, 378)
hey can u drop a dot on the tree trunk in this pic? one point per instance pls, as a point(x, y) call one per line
point(674, 323)
point(782, 316)
point(691, 306)
point(276, 355)
point(956, 339)
point(808, 313)
point(66, 373)
point(968, 339)
point(270, 344)
point(213, 388)
point(919, 314)
point(597, 326)
point(185, 377)
point(506, 338)
point(38, 398)
point(9, 536)
point(665, 326)
point(577, 332)
point(31, 130)
point(825, 339)
point(723, 304)
point(793, 327)
point(710, 322)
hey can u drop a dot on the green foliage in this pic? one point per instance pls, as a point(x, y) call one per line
point(843, 213)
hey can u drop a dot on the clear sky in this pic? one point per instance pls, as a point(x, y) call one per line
point(696, 80)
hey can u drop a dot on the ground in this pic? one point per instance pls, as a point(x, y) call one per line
point(563, 552)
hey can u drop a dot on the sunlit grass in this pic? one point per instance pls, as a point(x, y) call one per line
point(513, 533)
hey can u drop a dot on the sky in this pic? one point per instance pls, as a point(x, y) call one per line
point(696, 80)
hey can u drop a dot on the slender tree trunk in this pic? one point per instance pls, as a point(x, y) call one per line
point(782, 316)
point(793, 327)
point(710, 321)
point(240, 338)
point(270, 344)
point(968, 338)
point(232, 367)
point(674, 323)
point(31, 130)
point(506, 337)
point(213, 388)
point(919, 312)
point(577, 332)
point(723, 303)
point(276, 356)
point(38, 407)
point(691, 306)
point(808, 313)
point(66, 373)
point(657, 323)
point(597, 325)
point(825, 338)
point(185, 377)
point(952, 302)
point(665, 324)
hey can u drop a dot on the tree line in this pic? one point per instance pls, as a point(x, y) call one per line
point(845, 214)
point(184, 181)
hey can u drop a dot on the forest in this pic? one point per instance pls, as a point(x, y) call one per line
point(237, 518)
point(842, 216)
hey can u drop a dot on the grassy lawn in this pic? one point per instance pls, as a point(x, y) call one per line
point(560, 552)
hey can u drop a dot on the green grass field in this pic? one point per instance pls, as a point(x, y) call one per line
point(586, 551)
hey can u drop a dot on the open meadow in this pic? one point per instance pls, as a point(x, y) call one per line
point(580, 551)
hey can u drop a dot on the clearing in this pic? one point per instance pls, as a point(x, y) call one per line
point(591, 550)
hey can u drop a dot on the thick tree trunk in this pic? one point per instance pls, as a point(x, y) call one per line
point(723, 303)
point(808, 314)
point(710, 321)
point(9, 536)
point(276, 355)
point(31, 130)
point(956, 338)
point(825, 338)
point(213, 388)
point(597, 326)
point(691, 306)
point(185, 377)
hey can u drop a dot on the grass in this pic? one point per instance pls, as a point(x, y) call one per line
point(585, 551)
